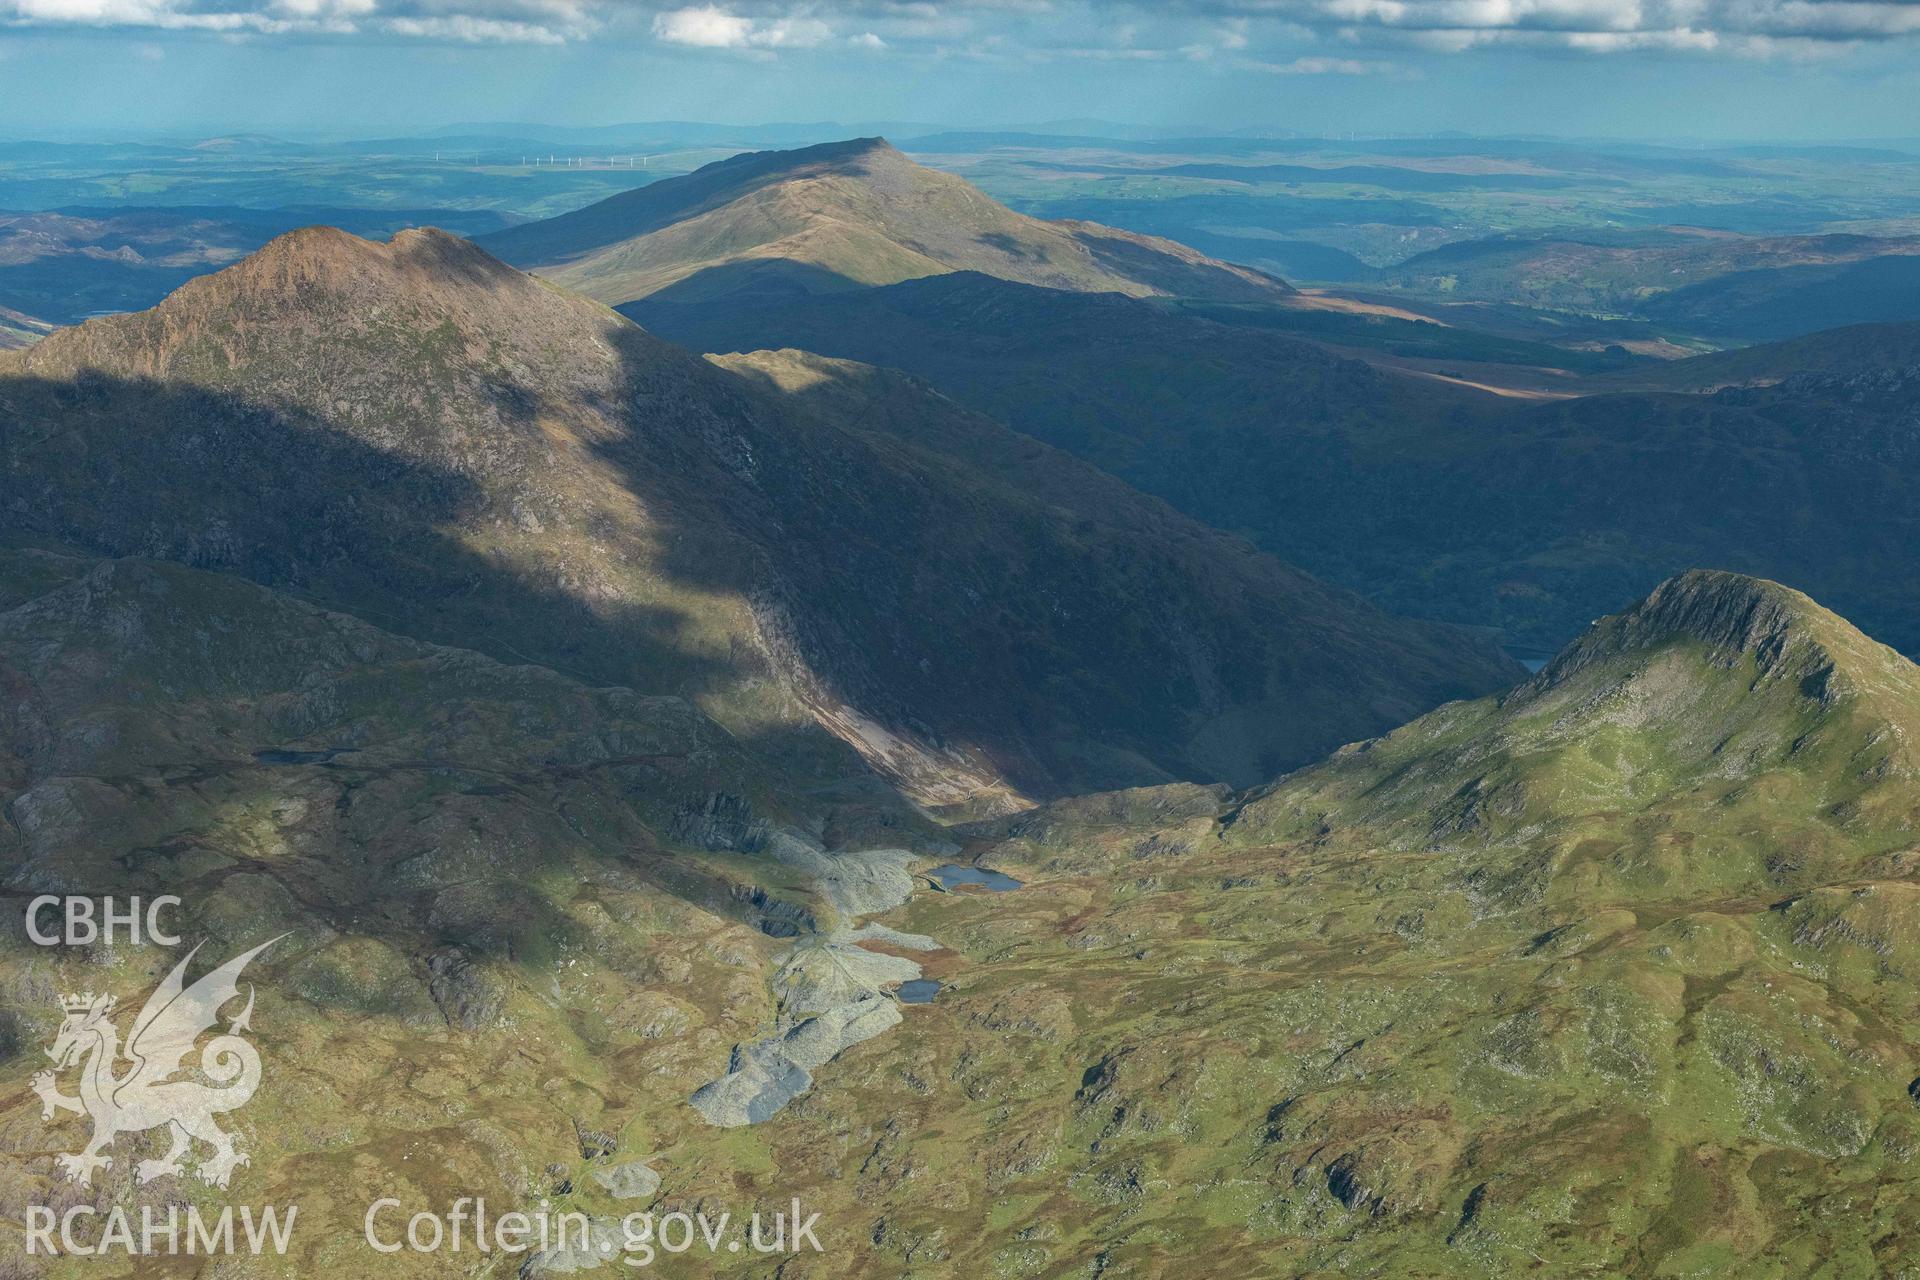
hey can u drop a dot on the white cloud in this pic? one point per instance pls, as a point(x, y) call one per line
point(462, 21)
point(792, 33)
point(1594, 26)
point(467, 29)
point(711, 27)
point(1299, 36)
point(299, 10)
point(706, 28)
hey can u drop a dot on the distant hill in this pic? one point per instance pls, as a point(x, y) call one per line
point(417, 433)
point(1779, 302)
point(839, 216)
point(1715, 284)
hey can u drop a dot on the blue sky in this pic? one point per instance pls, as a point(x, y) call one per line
point(1637, 68)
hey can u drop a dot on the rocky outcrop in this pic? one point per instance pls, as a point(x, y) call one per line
point(765, 1076)
point(634, 1180)
point(834, 993)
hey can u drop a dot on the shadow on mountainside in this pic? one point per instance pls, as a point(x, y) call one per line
point(168, 471)
point(754, 282)
point(1432, 502)
point(656, 523)
point(282, 768)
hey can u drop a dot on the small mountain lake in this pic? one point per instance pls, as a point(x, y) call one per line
point(918, 991)
point(953, 876)
point(300, 757)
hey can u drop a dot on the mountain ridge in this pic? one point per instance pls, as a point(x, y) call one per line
point(470, 454)
point(1709, 696)
point(838, 216)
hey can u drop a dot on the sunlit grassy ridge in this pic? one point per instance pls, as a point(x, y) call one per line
point(1609, 975)
point(839, 216)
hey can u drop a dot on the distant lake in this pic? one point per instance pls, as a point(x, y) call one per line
point(919, 991)
point(952, 876)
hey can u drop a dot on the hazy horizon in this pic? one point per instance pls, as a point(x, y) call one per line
point(905, 131)
point(1783, 70)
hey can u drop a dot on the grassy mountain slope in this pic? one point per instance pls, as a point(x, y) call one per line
point(419, 434)
point(1436, 501)
point(1605, 976)
point(1714, 699)
point(839, 216)
point(506, 939)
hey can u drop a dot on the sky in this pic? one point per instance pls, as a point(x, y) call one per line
point(1670, 69)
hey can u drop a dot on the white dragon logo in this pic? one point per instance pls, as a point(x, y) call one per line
point(147, 1096)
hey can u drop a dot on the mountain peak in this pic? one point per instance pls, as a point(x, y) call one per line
point(321, 252)
point(1729, 614)
point(417, 430)
point(1715, 682)
point(313, 279)
point(1729, 610)
point(845, 149)
point(838, 216)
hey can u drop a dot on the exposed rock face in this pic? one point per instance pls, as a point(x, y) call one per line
point(722, 822)
point(602, 1244)
point(833, 995)
point(466, 995)
point(1728, 612)
point(633, 1180)
point(825, 973)
point(833, 992)
point(763, 1077)
point(856, 882)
